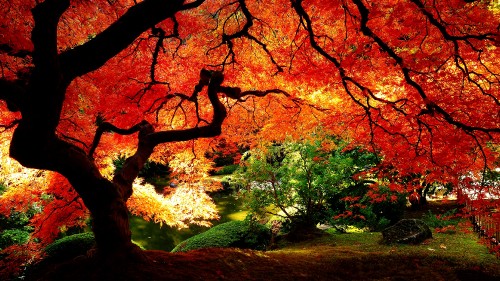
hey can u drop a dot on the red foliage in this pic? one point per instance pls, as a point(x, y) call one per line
point(62, 211)
point(15, 257)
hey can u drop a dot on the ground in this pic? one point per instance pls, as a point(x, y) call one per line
point(355, 256)
point(358, 258)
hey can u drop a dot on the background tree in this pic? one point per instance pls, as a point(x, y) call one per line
point(416, 81)
point(299, 181)
point(303, 183)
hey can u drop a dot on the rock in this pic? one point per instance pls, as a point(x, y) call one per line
point(406, 231)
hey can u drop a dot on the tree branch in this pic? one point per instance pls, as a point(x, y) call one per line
point(124, 178)
point(212, 79)
point(118, 36)
point(244, 32)
point(44, 35)
point(108, 127)
point(431, 106)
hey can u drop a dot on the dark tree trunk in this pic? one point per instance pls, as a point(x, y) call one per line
point(104, 199)
point(110, 224)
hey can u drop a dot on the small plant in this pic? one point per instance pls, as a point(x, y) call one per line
point(15, 227)
point(3, 187)
point(14, 236)
point(445, 223)
point(225, 170)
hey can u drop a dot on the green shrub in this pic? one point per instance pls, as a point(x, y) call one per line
point(13, 236)
point(238, 234)
point(70, 246)
point(225, 170)
point(319, 181)
point(15, 227)
point(16, 220)
point(444, 220)
point(154, 173)
point(3, 187)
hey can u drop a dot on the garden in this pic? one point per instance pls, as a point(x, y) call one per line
point(249, 140)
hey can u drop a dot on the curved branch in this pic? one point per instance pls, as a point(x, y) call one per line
point(124, 178)
point(212, 79)
point(108, 127)
point(148, 139)
point(118, 36)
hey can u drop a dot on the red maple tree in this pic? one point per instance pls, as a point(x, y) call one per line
point(416, 81)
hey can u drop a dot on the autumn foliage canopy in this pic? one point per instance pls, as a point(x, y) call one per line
point(82, 82)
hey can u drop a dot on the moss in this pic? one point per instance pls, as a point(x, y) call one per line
point(73, 245)
point(238, 234)
point(70, 246)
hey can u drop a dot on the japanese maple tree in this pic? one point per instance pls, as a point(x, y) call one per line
point(416, 81)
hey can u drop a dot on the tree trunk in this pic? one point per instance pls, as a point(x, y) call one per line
point(110, 224)
point(105, 200)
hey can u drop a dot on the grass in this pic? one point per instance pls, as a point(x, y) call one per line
point(462, 248)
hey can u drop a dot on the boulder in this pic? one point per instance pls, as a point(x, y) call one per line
point(406, 231)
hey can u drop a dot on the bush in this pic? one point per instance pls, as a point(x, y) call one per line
point(225, 170)
point(15, 227)
point(70, 246)
point(304, 181)
point(238, 234)
point(440, 221)
point(363, 207)
point(13, 236)
point(3, 187)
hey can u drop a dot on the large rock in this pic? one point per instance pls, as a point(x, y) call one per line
point(406, 231)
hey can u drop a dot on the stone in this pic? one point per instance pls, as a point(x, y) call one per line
point(406, 231)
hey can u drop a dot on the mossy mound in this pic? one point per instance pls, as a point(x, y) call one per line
point(235, 234)
point(70, 246)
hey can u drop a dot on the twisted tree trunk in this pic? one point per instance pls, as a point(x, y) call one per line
point(40, 99)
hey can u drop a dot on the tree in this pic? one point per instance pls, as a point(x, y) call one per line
point(416, 81)
point(302, 182)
